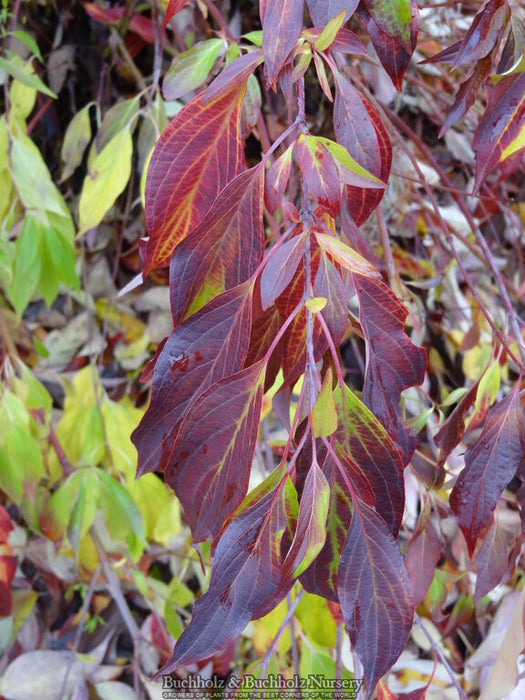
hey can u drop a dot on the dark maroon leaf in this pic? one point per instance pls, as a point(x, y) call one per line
point(245, 579)
point(282, 21)
point(514, 46)
point(483, 33)
point(322, 11)
point(451, 432)
point(208, 346)
point(448, 55)
point(496, 557)
point(210, 461)
point(347, 42)
point(490, 463)
point(394, 363)
point(467, 94)
point(500, 130)
point(424, 551)
point(280, 269)
point(321, 576)
point(359, 129)
point(373, 453)
point(353, 235)
point(225, 248)
point(392, 52)
point(374, 593)
point(235, 73)
point(337, 290)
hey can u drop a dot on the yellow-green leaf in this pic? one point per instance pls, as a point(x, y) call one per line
point(330, 31)
point(107, 178)
point(324, 413)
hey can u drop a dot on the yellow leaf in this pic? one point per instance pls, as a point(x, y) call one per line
point(316, 304)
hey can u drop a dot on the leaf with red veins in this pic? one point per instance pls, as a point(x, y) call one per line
point(322, 11)
point(282, 21)
point(358, 127)
point(467, 93)
point(173, 7)
point(393, 362)
point(483, 34)
point(225, 248)
point(424, 551)
point(319, 172)
point(374, 593)
point(194, 159)
point(210, 462)
point(393, 53)
point(490, 463)
point(501, 130)
point(245, 578)
point(280, 269)
point(234, 74)
point(209, 345)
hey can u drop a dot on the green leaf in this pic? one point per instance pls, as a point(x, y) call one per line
point(330, 31)
point(16, 71)
point(33, 181)
point(28, 40)
point(84, 509)
point(121, 515)
point(27, 263)
point(254, 37)
point(118, 118)
point(191, 68)
point(107, 178)
point(324, 413)
point(343, 157)
point(76, 140)
point(10, 479)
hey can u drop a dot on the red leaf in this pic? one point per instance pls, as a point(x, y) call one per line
point(194, 159)
point(211, 458)
point(173, 7)
point(245, 579)
point(374, 593)
point(234, 74)
point(500, 130)
point(320, 173)
point(393, 17)
point(224, 250)
point(394, 363)
point(6, 525)
point(466, 94)
point(209, 345)
point(282, 21)
point(359, 129)
point(483, 33)
point(496, 558)
point(490, 464)
point(322, 11)
point(280, 269)
point(424, 551)
point(394, 54)
point(277, 177)
point(293, 344)
point(113, 15)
